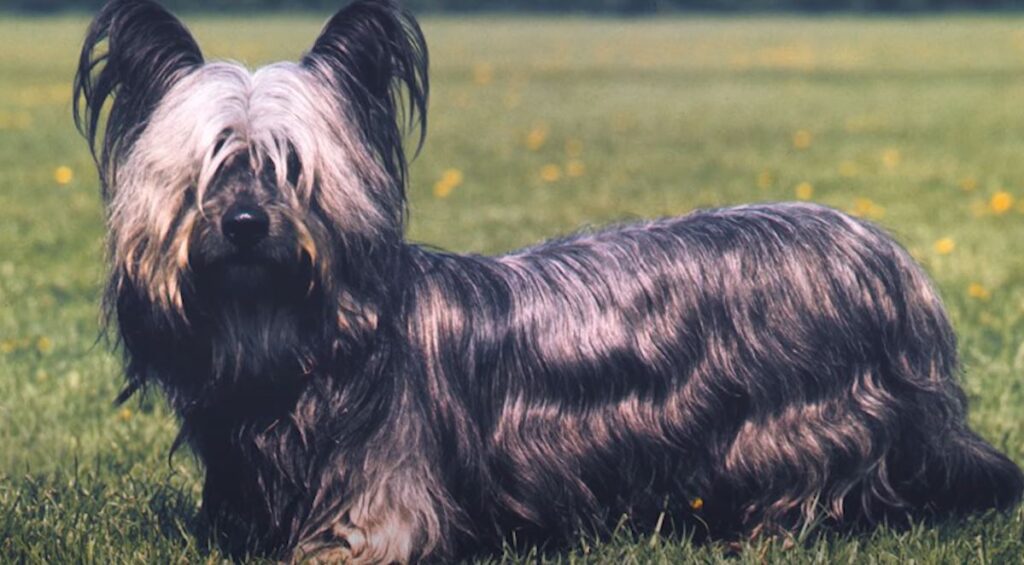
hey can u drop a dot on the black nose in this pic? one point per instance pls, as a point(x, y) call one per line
point(245, 225)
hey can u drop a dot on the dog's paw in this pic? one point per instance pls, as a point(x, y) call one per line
point(331, 546)
point(344, 544)
point(325, 556)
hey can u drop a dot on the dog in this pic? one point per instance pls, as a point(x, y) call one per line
point(351, 396)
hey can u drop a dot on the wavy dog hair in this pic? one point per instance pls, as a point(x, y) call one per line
point(354, 396)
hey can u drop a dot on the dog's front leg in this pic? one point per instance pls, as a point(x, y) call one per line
point(395, 520)
point(355, 545)
point(384, 540)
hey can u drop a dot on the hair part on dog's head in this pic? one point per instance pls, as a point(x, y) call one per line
point(369, 52)
point(147, 51)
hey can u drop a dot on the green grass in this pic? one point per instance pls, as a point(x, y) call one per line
point(666, 116)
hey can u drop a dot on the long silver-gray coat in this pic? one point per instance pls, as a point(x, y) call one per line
point(354, 396)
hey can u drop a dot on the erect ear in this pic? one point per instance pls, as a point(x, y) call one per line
point(146, 51)
point(373, 54)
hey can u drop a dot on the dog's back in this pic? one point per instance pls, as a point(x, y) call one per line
point(785, 364)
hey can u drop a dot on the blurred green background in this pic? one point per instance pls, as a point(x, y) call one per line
point(590, 6)
point(539, 126)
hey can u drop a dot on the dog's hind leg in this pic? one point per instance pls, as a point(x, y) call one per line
point(872, 427)
point(795, 467)
point(843, 461)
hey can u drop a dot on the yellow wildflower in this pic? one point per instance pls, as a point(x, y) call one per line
point(976, 290)
point(891, 158)
point(125, 414)
point(848, 169)
point(483, 74)
point(866, 208)
point(44, 345)
point(20, 121)
point(945, 246)
point(968, 184)
point(804, 191)
point(575, 168)
point(537, 137)
point(854, 124)
point(63, 175)
point(622, 123)
point(449, 181)
point(550, 173)
point(764, 179)
point(802, 139)
point(1001, 202)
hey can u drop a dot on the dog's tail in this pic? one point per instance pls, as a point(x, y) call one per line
point(969, 475)
point(936, 463)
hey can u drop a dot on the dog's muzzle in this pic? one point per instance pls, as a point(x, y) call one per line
point(245, 225)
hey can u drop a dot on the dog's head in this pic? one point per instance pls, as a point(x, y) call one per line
point(226, 186)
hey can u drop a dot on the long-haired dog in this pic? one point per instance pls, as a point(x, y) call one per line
point(354, 396)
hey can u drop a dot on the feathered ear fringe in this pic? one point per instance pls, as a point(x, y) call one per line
point(147, 51)
point(369, 52)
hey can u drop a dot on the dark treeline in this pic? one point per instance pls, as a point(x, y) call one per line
point(597, 6)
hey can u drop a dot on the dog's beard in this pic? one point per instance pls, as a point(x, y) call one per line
point(248, 280)
point(253, 281)
point(253, 307)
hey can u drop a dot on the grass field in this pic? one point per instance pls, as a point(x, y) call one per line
point(540, 126)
